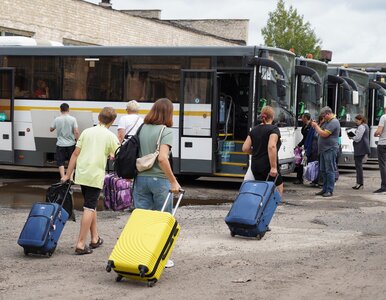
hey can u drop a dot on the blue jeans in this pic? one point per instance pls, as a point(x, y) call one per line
point(151, 192)
point(328, 169)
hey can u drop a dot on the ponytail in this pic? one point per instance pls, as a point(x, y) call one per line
point(263, 118)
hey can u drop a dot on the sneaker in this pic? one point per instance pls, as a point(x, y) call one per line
point(327, 194)
point(169, 264)
point(381, 190)
point(321, 193)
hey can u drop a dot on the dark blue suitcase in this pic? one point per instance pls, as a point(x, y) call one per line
point(44, 225)
point(42, 230)
point(253, 208)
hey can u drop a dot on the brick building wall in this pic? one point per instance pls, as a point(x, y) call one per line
point(82, 21)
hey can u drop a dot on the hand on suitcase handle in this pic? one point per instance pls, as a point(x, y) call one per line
point(181, 194)
point(180, 191)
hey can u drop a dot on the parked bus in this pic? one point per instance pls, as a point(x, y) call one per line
point(347, 97)
point(217, 93)
point(377, 101)
point(310, 91)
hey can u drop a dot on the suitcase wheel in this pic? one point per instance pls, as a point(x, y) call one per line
point(260, 235)
point(26, 252)
point(232, 233)
point(119, 278)
point(151, 283)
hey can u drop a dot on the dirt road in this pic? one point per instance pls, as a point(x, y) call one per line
point(318, 249)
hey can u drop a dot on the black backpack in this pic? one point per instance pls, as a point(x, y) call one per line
point(126, 156)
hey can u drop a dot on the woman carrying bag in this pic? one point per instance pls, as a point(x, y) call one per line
point(361, 148)
point(152, 186)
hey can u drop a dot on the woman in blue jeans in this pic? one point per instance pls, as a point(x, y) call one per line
point(152, 186)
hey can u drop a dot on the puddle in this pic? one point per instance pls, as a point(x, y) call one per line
point(22, 193)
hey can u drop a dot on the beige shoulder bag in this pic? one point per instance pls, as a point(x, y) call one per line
point(146, 162)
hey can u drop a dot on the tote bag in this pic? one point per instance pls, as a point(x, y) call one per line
point(147, 161)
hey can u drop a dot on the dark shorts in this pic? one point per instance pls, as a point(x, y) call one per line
point(63, 154)
point(90, 195)
point(263, 177)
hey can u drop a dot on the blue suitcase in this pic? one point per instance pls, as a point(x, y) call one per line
point(44, 225)
point(253, 208)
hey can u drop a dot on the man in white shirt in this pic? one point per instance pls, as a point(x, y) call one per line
point(129, 123)
point(381, 149)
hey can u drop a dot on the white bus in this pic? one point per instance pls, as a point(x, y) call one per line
point(217, 94)
point(311, 90)
point(377, 102)
point(347, 97)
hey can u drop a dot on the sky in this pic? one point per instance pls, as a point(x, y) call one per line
point(354, 30)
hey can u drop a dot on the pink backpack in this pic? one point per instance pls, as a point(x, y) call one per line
point(117, 192)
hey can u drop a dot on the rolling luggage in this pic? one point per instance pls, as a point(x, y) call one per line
point(117, 192)
point(44, 225)
point(145, 244)
point(253, 208)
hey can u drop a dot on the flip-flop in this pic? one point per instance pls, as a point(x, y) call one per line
point(97, 244)
point(86, 250)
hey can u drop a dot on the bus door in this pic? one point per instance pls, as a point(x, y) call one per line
point(197, 122)
point(6, 115)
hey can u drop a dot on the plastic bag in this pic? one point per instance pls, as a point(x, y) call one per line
point(311, 172)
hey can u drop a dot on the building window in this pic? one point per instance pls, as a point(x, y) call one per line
point(14, 32)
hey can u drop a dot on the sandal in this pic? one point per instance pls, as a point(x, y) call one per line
point(97, 244)
point(86, 250)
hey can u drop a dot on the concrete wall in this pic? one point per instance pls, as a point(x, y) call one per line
point(81, 21)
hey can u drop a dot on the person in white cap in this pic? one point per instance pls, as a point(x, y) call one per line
point(129, 124)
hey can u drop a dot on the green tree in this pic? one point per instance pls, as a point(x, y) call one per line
point(286, 29)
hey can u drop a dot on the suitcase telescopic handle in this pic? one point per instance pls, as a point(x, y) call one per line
point(181, 193)
point(70, 183)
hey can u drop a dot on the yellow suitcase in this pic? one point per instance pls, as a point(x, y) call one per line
point(145, 244)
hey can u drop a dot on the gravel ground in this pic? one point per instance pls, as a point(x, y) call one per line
point(319, 248)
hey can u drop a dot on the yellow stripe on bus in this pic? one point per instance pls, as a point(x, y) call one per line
point(120, 111)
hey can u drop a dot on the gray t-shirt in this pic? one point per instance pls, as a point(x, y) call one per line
point(64, 126)
point(382, 138)
point(326, 143)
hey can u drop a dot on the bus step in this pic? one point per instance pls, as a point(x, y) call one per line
point(229, 175)
point(232, 168)
point(225, 134)
point(230, 163)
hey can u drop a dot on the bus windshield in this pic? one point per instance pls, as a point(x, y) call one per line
point(310, 101)
point(275, 89)
point(347, 109)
